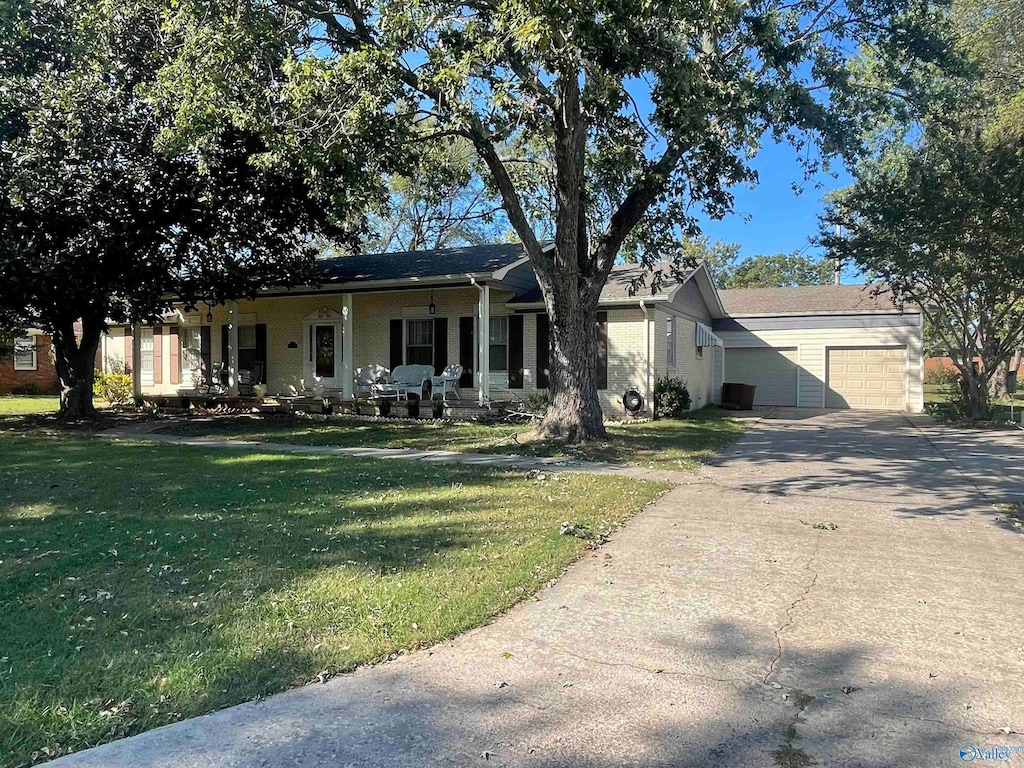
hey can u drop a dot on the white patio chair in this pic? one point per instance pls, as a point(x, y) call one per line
point(448, 381)
point(370, 375)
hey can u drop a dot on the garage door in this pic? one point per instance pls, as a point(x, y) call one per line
point(867, 377)
point(771, 371)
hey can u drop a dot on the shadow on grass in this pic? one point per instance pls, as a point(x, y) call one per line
point(145, 583)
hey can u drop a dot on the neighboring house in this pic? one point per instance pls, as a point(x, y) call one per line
point(944, 364)
point(429, 307)
point(30, 366)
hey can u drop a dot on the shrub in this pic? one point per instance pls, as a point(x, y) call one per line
point(537, 403)
point(115, 388)
point(437, 406)
point(30, 390)
point(671, 398)
point(941, 375)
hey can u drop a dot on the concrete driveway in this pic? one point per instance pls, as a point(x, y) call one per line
point(835, 591)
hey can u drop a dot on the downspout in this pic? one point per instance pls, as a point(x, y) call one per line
point(483, 324)
point(647, 359)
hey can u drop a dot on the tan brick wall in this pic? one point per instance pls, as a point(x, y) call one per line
point(44, 376)
point(696, 371)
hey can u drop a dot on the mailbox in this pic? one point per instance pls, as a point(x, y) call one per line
point(1011, 381)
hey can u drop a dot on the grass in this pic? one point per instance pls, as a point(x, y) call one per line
point(665, 444)
point(938, 397)
point(23, 405)
point(143, 584)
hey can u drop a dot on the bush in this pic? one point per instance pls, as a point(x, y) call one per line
point(115, 388)
point(437, 406)
point(29, 390)
point(671, 398)
point(537, 404)
point(941, 375)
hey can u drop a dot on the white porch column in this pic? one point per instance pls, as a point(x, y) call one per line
point(483, 365)
point(232, 361)
point(137, 360)
point(347, 363)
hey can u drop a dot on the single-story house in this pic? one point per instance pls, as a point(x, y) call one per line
point(29, 366)
point(429, 307)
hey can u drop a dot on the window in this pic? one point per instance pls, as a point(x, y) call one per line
point(419, 342)
point(499, 345)
point(670, 338)
point(700, 351)
point(246, 347)
point(146, 350)
point(191, 355)
point(25, 354)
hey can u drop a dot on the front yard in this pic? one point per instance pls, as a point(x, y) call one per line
point(143, 584)
point(23, 405)
point(664, 444)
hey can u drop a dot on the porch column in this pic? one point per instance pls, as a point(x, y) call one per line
point(483, 364)
point(347, 369)
point(137, 360)
point(232, 361)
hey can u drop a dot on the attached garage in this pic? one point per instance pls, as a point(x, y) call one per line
point(867, 377)
point(773, 372)
point(832, 346)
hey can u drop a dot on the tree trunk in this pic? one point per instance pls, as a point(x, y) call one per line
point(76, 367)
point(974, 387)
point(574, 411)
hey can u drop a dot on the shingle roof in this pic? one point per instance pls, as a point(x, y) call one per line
point(806, 299)
point(625, 278)
point(419, 264)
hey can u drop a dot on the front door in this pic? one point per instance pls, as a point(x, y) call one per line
point(323, 354)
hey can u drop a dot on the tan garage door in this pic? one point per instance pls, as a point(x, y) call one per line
point(867, 377)
point(771, 371)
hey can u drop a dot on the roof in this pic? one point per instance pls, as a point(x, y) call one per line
point(406, 265)
point(627, 281)
point(808, 299)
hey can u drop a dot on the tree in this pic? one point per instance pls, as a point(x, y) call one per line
point(781, 270)
point(442, 203)
point(635, 114)
point(940, 217)
point(96, 222)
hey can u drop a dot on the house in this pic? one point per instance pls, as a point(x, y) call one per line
point(429, 307)
point(29, 368)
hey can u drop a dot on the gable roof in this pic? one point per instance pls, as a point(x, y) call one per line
point(623, 279)
point(809, 299)
point(420, 265)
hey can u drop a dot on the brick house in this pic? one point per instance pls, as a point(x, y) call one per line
point(30, 365)
point(481, 307)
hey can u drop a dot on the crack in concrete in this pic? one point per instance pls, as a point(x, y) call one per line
point(652, 670)
point(789, 614)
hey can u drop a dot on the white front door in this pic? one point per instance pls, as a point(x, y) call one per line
point(323, 354)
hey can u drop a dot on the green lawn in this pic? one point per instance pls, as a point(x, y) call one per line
point(666, 443)
point(21, 405)
point(145, 583)
point(938, 395)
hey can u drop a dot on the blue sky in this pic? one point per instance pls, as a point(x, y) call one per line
point(772, 217)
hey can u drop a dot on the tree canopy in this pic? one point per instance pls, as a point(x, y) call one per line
point(96, 221)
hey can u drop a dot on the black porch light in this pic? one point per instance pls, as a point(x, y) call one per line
point(433, 306)
point(209, 313)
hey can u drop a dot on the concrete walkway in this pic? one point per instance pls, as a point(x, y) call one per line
point(834, 590)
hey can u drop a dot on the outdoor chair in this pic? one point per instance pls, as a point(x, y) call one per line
point(448, 381)
point(214, 384)
point(368, 376)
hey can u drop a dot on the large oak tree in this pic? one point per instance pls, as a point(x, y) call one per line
point(639, 112)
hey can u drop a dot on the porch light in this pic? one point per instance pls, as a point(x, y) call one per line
point(433, 306)
point(209, 314)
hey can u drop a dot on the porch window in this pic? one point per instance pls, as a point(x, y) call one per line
point(419, 342)
point(499, 345)
point(191, 355)
point(146, 350)
point(670, 339)
point(246, 347)
point(25, 354)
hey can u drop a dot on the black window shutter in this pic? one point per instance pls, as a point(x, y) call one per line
point(467, 342)
point(602, 350)
point(224, 375)
point(261, 350)
point(515, 352)
point(204, 351)
point(440, 344)
point(396, 344)
point(543, 350)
